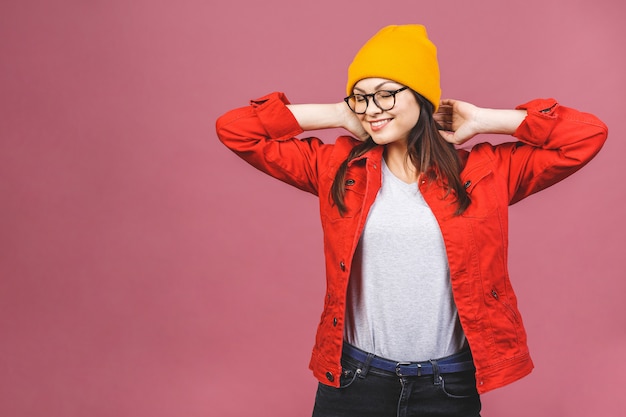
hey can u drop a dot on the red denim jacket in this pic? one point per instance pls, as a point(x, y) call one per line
point(553, 142)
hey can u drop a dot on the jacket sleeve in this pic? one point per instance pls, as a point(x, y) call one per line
point(263, 134)
point(554, 142)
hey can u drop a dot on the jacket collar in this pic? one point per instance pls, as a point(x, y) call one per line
point(374, 154)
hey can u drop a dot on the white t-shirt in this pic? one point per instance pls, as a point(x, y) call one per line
point(400, 303)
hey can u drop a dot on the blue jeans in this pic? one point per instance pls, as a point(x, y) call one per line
point(366, 391)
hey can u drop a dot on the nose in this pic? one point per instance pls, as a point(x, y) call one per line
point(372, 108)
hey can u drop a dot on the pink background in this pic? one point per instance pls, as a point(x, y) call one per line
point(146, 271)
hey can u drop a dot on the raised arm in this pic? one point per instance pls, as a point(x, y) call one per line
point(327, 116)
point(264, 134)
point(554, 141)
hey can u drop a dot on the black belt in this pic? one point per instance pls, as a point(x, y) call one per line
point(459, 362)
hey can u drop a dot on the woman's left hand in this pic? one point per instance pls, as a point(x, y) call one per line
point(461, 121)
point(458, 120)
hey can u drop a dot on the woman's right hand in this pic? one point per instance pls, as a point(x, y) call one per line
point(352, 123)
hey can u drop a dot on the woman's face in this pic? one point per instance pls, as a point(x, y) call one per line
point(388, 126)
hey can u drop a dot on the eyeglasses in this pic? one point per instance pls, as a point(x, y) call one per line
point(383, 99)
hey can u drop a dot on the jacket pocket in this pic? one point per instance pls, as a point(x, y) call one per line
point(480, 186)
point(507, 308)
point(504, 320)
point(355, 186)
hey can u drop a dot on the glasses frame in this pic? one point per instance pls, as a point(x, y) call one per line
point(373, 96)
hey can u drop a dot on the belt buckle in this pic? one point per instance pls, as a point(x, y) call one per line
point(399, 371)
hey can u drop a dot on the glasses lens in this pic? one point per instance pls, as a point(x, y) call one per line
point(385, 100)
point(357, 103)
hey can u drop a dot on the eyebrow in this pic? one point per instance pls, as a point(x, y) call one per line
point(378, 86)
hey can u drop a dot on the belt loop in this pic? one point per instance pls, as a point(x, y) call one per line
point(436, 375)
point(366, 365)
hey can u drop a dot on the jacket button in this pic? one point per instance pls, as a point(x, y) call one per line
point(350, 182)
point(342, 265)
point(330, 376)
point(335, 321)
point(467, 184)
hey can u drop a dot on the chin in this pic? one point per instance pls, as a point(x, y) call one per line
point(381, 140)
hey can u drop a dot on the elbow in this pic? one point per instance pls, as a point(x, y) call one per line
point(604, 134)
point(228, 130)
point(599, 138)
point(600, 131)
point(220, 129)
point(596, 135)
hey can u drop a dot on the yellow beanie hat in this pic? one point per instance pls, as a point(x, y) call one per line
point(403, 54)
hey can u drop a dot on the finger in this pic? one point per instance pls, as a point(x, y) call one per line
point(447, 102)
point(447, 136)
point(444, 109)
point(444, 120)
point(438, 117)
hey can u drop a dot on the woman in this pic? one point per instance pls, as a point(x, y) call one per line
point(419, 315)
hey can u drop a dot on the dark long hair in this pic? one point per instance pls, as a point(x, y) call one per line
point(428, 151)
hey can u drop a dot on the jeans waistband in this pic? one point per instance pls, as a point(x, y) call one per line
point(458, 362)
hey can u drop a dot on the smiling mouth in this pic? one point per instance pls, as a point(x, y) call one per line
point(379, 124)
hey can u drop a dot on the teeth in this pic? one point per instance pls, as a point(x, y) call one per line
point(379, 123)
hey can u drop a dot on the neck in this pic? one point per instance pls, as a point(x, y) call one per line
point(398, 161)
